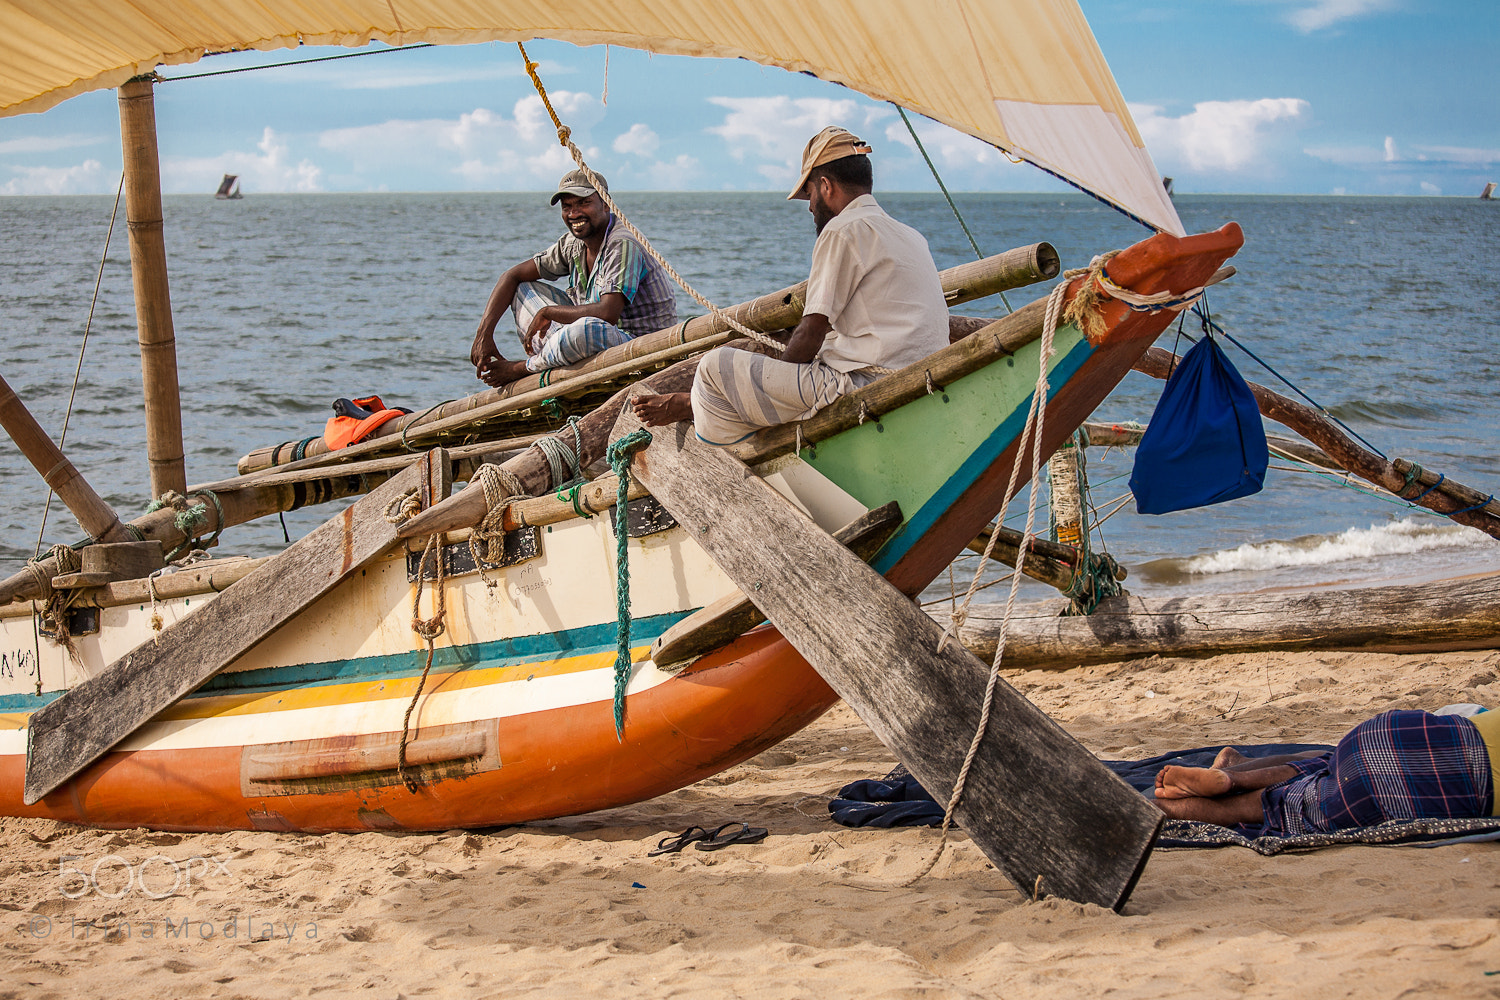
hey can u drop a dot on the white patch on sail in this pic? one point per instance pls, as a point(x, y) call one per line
point(1096, 146)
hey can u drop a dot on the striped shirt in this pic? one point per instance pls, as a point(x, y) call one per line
point(622, 266)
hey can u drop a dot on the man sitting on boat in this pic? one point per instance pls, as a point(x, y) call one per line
point(616, 291)
point(874, 302)
point(1399, 765)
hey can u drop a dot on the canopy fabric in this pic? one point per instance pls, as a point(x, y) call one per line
point(1024, 75)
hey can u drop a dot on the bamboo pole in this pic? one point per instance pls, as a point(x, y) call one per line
point(776, 311)
point(153, 301)
point(1461, 503)
point(95, 516)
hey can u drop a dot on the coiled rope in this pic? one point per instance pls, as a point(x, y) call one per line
point(619, 460)
point(562, 461)
point(565, 138)
point(487, 539)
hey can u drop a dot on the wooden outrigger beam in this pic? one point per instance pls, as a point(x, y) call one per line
point(153, 300)
point(89, 720)
point(1038, 803)
point(779, 310)
point(1417, 618)
point(94, 515)
point(1405, 479)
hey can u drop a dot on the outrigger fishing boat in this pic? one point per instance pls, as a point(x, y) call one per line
point(429, 660)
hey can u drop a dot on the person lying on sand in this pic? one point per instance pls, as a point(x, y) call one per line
point(1399, 765)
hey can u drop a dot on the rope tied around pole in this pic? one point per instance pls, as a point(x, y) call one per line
point(619, 454)
point(487, 539)
point(565, 139)
point(562, 461)
point(189, 517)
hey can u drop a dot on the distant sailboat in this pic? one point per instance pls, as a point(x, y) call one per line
point(229, 188)
point(1166, 183)
point(1488, 194)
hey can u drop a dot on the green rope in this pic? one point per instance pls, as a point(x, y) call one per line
point(944, 188)
point(619, 460)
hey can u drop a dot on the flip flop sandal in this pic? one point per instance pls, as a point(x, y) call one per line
point(671, 845)
point(724, 836)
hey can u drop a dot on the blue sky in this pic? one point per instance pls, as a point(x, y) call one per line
point(1268, 96)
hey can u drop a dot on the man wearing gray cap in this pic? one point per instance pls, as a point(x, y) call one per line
point(874, 302)
point(616, 291)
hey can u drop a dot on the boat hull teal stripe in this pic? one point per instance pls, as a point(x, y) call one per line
point(496, 653)
point(985, 455)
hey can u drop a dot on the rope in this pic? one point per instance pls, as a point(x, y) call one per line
point(1483, 503)
point(429, 629)
point(562, 460)
point(619, 460)
point(944, 188)
point(1035, 419)
point(565, 139)
point(294, 62)
point(68, 561)
point(188, 518)
point(1419, 496)
point(88, 324)
point(501, 489)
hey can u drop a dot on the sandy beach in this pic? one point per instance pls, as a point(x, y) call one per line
point(574, 907)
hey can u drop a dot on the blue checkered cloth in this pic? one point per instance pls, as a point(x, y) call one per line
point(1402, 765)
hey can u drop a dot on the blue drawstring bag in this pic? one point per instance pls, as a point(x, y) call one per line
point(1205, 443)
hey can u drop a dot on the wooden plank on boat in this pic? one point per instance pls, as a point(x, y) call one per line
point(85, 723)
point(732, 615)
point(1036, 801)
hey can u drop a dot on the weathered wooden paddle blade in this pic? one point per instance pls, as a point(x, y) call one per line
point(732, 615)
point(1036, 801)
point(86, 722)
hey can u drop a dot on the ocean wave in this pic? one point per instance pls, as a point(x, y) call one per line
point(1402, 537)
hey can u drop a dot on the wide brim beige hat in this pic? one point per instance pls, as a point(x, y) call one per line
point(833, 143)
point(576, 183)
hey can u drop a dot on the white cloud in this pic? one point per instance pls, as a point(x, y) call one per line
point(1325, 13)
point(639, 141)
point(270, 170)
point(84, 178)
point(1390, 150)
point(673, 175)
point(774, 130)
point(46, 144)
point(1461, 154)
point(1430, 188)
point(949, 148)
point(485, 148)
point(1225, 136)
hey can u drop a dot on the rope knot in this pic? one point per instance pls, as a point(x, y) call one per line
point(563, 135)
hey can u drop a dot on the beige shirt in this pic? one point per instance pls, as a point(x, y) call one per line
point(874, 279)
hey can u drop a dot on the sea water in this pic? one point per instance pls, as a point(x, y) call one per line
point(1381, 309)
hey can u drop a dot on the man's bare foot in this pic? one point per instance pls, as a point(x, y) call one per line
point(1228, 757)
point(500, 372)
point(663, 408)
point(1174, 782)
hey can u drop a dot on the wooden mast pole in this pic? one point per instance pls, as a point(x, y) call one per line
point(153, 301)
point(94, 515)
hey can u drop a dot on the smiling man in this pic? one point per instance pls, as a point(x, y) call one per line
point(616, 291)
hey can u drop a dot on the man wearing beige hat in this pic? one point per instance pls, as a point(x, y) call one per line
point(616, 291)
point(874, 301)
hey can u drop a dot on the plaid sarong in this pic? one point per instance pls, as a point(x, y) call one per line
point(1402, 765)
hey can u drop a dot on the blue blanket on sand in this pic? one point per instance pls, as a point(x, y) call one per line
point(898, 799)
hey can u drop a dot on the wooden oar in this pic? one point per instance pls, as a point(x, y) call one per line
point(88, 721)
point(1036, 801)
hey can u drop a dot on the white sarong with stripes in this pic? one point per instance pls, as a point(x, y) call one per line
point(736, 393)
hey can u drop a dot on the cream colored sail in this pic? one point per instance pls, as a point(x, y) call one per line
point(1024, 75)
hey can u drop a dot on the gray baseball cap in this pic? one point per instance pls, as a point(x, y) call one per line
point(576, 182)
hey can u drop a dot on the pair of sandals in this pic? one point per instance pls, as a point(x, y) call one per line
point(710, 840)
